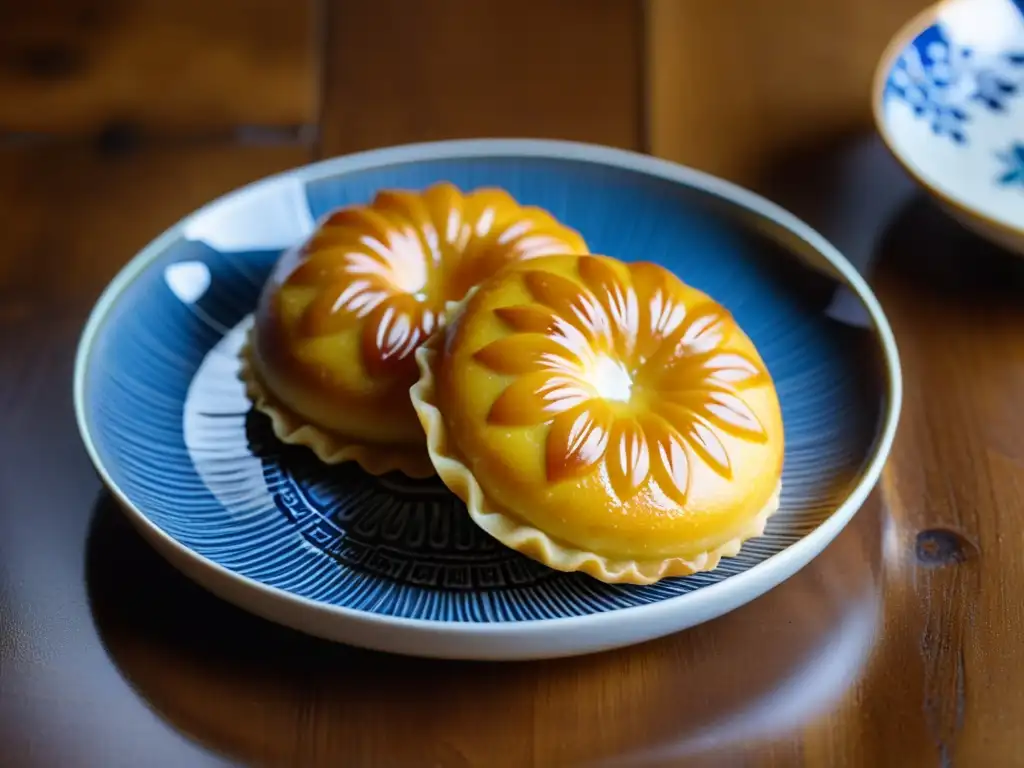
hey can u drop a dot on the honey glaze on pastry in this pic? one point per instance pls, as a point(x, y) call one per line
point(603, 417)
point(330, 354)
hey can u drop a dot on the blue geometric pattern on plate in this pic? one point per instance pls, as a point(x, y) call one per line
point(1013, 159)
point(945, 82)
point(170, 421)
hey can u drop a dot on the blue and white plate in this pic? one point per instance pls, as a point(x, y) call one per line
point(949, 103)
point(395, 564)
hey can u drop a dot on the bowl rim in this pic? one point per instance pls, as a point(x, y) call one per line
point(903, 37)
point(734, 591)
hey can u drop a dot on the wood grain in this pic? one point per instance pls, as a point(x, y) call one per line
point(733, 82)
point(70, 217)
point(264, 695)
point(76, 214)
point(955, 480)
point(70, 67)
point(941, 688)
point(398, 71)
point(899, 646)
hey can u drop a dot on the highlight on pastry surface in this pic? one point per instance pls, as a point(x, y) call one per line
point(330, 356)
point(603, 417)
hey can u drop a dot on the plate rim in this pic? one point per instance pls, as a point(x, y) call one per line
point(771, 571)
point(905, 36)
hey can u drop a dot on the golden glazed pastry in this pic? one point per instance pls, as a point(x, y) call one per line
point(603, 417)
point(330, 354)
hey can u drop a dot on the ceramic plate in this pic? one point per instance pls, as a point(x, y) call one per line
point(949, 103)
point(395, 564)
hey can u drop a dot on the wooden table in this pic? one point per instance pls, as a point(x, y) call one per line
point(899, 646)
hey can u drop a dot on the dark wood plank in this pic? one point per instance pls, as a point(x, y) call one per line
point(165, 66)
point(261, 694)
point(955, 481)
point(898, 646)
point(69, 218)
point(943, 685)
point(733, 83)
point(400, 71)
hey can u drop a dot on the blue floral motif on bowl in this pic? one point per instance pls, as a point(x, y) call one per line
point(1013, 160)
point(944, 82)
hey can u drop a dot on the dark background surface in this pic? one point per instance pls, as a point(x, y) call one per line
point(899, 646)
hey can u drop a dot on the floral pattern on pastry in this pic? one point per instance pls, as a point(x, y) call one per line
point(603, 417)
point(331, 353)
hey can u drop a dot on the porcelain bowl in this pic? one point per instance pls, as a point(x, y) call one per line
point(949, 103)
